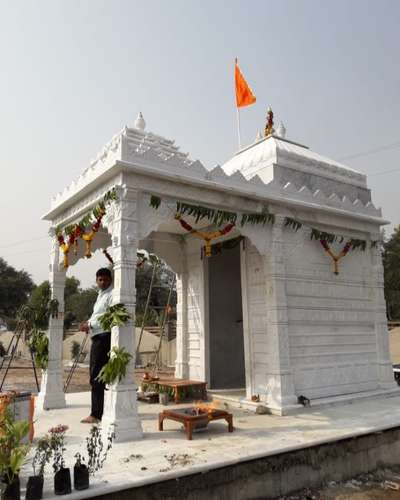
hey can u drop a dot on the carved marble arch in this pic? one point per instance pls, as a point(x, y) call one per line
point(164, 243)
point(260, 236)
point(151, 219)
point(168, 247)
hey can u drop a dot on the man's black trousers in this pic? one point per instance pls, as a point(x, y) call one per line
point(101, 345)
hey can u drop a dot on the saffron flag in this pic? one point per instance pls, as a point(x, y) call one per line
point(244, 95)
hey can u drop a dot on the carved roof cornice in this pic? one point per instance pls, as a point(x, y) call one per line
point(149, 155)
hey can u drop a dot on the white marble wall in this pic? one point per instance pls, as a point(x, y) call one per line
point(307, 331)
point(331, 317)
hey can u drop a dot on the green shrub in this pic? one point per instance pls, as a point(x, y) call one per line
point(75, 349)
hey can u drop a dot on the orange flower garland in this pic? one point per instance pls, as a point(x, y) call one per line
point(334, 257)
point(88, 237)
point(76, 231)
point(207, 237)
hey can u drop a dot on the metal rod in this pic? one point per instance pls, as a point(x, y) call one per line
point(238, 127)
point(146, 307)
point(75, 363)
point(34, 370)
point(18, 335)
point(9, 346)
point(157, 357)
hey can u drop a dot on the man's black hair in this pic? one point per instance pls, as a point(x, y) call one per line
point(104, 271)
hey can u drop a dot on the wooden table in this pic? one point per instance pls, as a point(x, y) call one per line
point(178, 383)
point(191, 421)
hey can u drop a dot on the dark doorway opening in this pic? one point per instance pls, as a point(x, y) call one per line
point(226, 346)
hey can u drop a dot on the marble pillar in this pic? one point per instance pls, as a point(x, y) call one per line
point(280, 386)
point(121, 407)
point(51, 393)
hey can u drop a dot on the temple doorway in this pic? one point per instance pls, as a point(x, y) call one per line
point(225, 340)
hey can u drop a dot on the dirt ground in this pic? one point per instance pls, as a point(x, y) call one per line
point(379, 485)
point(394, 342)
point(24, 380)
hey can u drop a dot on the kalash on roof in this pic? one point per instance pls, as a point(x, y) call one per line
point(273, 157)
point(272, 168)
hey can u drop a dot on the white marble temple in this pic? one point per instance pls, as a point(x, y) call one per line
point(306, 331)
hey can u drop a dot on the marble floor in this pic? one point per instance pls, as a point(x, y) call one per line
point(151, 459)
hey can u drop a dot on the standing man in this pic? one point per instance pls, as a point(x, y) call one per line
point(101, 343)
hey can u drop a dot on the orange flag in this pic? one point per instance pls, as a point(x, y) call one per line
point(244, 95)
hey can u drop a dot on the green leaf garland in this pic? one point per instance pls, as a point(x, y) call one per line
point(87, 220)
point(219, 217)
point(215, 216)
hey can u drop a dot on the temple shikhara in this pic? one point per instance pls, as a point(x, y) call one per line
point(278, 265)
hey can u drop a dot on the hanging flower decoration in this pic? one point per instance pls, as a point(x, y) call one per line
point(336, 258)
point(99, 213)
point(207, 237)
point(326, 239)
point(85, 229)
point(219, 217)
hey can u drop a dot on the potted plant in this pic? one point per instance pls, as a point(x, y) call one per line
point(34, 487)
point(12, 453)
point(62, 474)
point(97, 452)
point(81, 473)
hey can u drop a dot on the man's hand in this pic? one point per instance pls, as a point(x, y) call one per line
point(84, 327)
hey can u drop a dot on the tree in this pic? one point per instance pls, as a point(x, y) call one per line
point(163, 278)
point(391, 263)
point(78, 304)
point(39, 295)
point(72, 286)
point(15, 288)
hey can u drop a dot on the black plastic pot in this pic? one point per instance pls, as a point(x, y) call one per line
point(12, 491)
point(62, 482)
point(34, 488)
point(81, 477)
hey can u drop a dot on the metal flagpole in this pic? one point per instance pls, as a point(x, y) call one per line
point(238, 126)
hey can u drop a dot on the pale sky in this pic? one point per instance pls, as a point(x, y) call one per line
point(73, 73)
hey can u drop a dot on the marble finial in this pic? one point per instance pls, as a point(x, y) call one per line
point(258, 136)
point(281, 130)
point(139, 122)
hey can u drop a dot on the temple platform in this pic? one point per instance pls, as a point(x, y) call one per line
point(237, 399)
point(267, 455)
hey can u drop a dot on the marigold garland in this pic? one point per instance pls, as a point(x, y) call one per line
point(219, 217)
point(207, 237)
point(69, 238)
point(336, 258)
